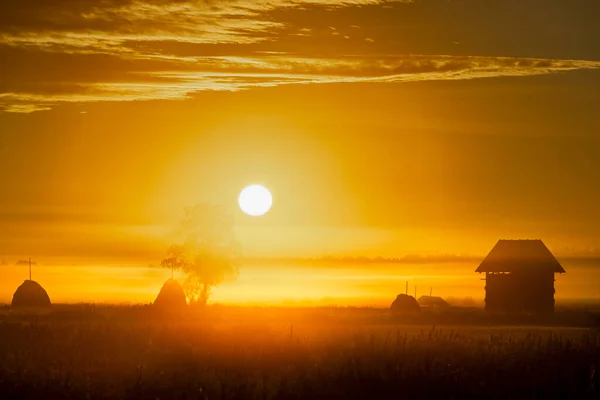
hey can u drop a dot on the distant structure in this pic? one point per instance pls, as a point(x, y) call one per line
point(30, 295)
point(519, 277)
point(171, 296)
point(432, 301)
point(405, 305)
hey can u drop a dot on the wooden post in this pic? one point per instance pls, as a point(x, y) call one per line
point(29, 268)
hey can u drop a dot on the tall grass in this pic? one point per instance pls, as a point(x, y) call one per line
point(135, 355)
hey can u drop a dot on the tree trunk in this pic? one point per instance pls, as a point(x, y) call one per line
point(204, 295)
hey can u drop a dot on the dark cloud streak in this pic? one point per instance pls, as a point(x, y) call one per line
point(53, 52)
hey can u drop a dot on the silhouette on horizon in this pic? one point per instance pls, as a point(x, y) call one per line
point(30, 294)
point(432, 301)
point(405, 305)
point(171, 296)
point(519, 277)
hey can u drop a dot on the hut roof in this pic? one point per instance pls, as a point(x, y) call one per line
point(171, 295)
point(432, 301)
point(30, 294)
point(520, 256)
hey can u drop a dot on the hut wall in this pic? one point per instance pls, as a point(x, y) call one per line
point(520, 292)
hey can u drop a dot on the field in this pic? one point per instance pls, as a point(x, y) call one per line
point(85, 352)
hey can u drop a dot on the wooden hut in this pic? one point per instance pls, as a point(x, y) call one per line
point(519, 277)
point(432, 301)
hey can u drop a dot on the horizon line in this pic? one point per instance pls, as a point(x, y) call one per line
point(411, 258)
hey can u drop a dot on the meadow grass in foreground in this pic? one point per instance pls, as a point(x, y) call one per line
point(266, 354)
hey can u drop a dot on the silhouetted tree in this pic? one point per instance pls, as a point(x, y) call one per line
point(207, 251)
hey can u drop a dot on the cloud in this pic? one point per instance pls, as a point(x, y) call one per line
point(242, 73)
point(25, 108)
point(106, 25)
point(54, 52)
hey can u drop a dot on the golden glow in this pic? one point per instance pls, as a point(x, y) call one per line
point(374, 143)
point(285, 284)
point(255, 200)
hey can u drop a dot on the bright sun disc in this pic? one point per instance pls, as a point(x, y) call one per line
point(255, 200)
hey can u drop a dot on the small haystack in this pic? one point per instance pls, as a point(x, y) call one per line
point(30, 295)
point(405, 305)
point(171, 296)
point(432, 301)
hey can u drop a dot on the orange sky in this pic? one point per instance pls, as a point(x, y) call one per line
point(289, 283)
point(382, 128)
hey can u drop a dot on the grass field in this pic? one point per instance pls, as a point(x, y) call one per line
point(85, 352)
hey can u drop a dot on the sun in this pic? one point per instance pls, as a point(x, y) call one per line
point(255, 200)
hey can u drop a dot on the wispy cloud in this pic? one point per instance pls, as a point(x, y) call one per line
point(242, 73)
point(56, 52)
point(24, 108)
point(102, 25)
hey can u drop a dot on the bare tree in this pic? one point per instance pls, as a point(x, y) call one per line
point(207, 251)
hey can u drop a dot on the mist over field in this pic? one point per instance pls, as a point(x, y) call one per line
point(296, 283)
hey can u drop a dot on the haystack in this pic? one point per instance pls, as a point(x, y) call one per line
point(432, 301)
point(30, 295)
point(404, 305)
point(171, 296)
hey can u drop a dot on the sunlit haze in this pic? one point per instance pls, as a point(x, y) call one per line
point(393, 141)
